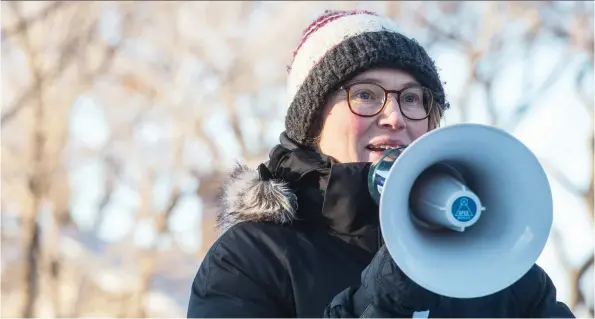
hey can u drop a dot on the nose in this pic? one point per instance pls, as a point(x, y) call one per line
point(391, 117)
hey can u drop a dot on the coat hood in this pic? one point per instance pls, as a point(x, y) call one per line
point(247, 196)
point(301, 185)
point(268, 193)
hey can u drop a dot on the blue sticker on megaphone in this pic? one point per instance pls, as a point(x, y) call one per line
point(380, 180)
point(463, 209)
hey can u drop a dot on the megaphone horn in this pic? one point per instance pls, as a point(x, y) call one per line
point(465, 210)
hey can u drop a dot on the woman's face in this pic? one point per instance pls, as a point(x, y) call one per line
point(348, 137)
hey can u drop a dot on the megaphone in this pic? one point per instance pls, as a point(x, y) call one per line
point(465, 210)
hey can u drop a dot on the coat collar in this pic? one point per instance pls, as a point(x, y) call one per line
point(299, 184)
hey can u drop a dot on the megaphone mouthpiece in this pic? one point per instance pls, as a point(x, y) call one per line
point(440, 199)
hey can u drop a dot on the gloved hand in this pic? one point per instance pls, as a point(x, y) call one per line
point(391, 291)
point(385, 292)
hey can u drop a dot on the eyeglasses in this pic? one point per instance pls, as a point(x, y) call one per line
point(369, 99)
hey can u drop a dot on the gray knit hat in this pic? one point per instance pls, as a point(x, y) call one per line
point(336, 47)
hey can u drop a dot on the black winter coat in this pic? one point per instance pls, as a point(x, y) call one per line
point(298, 233)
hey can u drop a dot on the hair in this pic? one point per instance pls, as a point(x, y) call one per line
point(434, 118)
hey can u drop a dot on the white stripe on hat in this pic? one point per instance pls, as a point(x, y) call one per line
point(327, 37)
point(314, 26)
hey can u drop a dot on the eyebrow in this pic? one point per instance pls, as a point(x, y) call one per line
point(378, 82)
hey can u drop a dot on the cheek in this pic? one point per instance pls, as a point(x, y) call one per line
point(343, 132)
point(417, 129)
point(347, 123)
point(359, 125)
point(360, 133)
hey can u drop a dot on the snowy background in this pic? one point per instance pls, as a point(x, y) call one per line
point(120, 120)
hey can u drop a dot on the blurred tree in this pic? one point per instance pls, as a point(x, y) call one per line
point(34, 169)
point(160, 99)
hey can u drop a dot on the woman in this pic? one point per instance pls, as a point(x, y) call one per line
point(301, 233)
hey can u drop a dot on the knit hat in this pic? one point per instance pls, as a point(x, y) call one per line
point(336, 47)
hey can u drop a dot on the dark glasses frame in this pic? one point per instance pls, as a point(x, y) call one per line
point(386, 92)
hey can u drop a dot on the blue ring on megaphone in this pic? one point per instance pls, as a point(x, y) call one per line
point(376, 181)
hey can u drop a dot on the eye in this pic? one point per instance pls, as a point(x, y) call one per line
point(364, 95)
point(411, 98)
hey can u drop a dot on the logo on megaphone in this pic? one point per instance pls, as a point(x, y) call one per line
point(465, 210)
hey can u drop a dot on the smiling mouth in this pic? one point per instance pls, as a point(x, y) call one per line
point(381, 148)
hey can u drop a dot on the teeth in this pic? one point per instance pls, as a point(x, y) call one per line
point(381, 147)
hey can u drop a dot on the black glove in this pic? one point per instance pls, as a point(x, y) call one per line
point(390, 291)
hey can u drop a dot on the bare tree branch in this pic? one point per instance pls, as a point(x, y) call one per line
point(68, 52)
point(557, 241)
point(25, 24)
point(585, 97)
point(452, 38)
point(114, 170)
point(80, 296)
point(31, 231)
point(526, 103)
point(590, 193)
point(578, 296)
point(148, 260)
point(562, 178)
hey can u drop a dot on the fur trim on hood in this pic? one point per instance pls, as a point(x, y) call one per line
point(248, 197)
